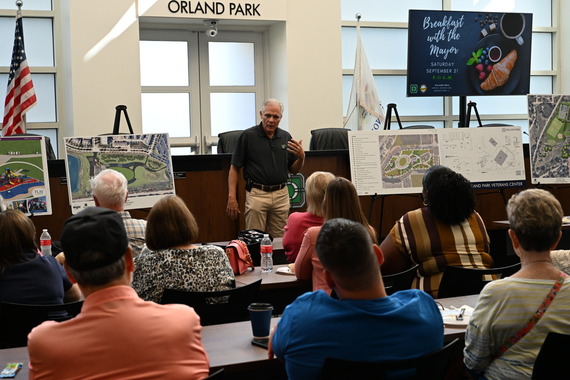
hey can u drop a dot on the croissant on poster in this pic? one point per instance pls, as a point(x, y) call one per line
point(500, 73)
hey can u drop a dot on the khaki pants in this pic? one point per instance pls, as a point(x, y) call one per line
point(267, 211)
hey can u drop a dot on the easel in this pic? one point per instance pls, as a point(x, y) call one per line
point(471, 106)
point(388, 121)
point(118, 110)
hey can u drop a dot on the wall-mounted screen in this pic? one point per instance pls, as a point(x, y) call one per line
point(453, 53)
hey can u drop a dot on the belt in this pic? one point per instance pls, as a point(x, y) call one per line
point(268, 188)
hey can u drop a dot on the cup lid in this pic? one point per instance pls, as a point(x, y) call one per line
point(260, 306)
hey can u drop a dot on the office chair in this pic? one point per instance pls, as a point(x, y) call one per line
point(551, 359)
point(217, 375)
point(328, 139)
point(431, 366)
point(227, 141)
point(17, 320)
point(419, 126)
point(399, 281)
point(217, 307)
point(459, 281)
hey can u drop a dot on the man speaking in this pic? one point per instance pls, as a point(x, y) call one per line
point(267, 155)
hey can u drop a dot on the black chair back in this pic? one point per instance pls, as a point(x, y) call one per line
point(551, 359)
point(432, 366)
point(17, 320)
point(399, 281)
point(329, 138)
point(218, 307)
point(459, 281)
point(217, 375)
point(227, 141)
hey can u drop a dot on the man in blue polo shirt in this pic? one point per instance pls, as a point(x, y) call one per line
point(267, 155)
point(363, 324)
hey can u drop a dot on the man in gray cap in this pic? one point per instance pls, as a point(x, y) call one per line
point(117, 335)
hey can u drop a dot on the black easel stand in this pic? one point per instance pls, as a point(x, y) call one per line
point(388, 121)
point(472, 106)
point(118, 109)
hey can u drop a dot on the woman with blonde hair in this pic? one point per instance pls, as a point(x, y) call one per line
point(171, 258)
point(298, 222)
point(341, 201)
point(25, 275)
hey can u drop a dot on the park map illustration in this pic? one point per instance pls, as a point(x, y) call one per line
point(23, 173)
point(549, 138)
point(144, 160)
point(393, 162)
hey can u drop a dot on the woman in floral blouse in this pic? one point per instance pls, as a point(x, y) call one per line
point(172, 260)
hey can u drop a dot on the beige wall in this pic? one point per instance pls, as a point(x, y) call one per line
point(303, 62)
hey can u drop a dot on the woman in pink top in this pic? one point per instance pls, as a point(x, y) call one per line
point(298, 222)
point(341, 201)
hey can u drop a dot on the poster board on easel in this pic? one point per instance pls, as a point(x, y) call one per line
point(24, 179)
point(145, 160)
point(394, 162)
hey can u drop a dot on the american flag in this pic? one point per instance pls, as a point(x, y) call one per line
point(20, 96)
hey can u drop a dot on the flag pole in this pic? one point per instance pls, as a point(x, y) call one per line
point(358, 49)
point(349, 111)
point(19, 4)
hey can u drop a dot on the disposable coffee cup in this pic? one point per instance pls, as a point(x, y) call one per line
point(260, 315)
point(512, 26)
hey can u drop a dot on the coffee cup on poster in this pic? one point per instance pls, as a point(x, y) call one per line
point(512, 26)
point(495, 54)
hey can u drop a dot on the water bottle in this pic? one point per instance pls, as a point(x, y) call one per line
point(45, 242)
point(266, 254)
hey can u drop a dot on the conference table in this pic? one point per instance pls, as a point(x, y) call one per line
point(229, 345)
point(278, 288)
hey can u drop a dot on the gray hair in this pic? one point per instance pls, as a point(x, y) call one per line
point(274, 101)
point(110, 188)
point(535, 216)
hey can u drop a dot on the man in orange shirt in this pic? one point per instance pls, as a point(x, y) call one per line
point(117, 335)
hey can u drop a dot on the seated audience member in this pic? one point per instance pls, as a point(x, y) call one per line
point(25, 275)
point(298, 222)
point(173, 260)
point(508, 306)
point(110, 191)
point(341, 201)
point(363, 324)
point(447, 231)
point(117, 335)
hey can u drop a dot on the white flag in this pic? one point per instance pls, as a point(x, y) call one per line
point(365, 111)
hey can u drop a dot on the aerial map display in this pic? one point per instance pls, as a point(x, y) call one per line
point(24, 183)
point(394, 162)
point(145, 161)
point(549, 138)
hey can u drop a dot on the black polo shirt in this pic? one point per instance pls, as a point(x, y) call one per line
point(265, 161)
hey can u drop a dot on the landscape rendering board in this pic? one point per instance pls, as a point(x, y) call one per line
point(549, 138)
point(145, 161)
point(394, 162)
point(23, 174)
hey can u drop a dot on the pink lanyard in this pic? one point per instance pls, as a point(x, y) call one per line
point(535, 318)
